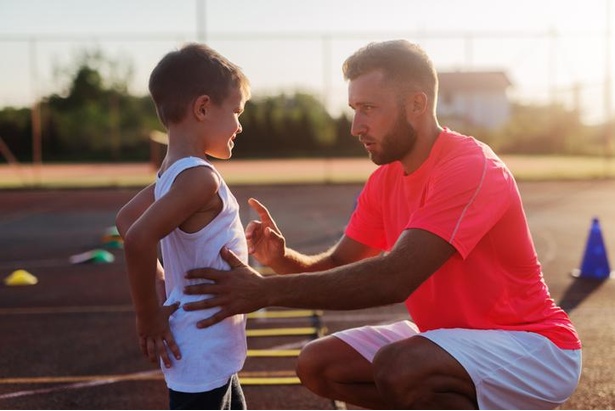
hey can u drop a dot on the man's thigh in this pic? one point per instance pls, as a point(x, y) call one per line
point(368, 340)
point(336, 360)
point(333, 369)
point(512, 369)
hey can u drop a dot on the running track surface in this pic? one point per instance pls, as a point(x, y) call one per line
point(69, 341)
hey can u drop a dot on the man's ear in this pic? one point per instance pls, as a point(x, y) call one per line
point(416, 104)
point(419, 102)
point(200, 107)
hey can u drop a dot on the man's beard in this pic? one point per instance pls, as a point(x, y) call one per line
point(397, 143)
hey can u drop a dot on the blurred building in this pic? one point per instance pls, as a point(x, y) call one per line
point(474, 99)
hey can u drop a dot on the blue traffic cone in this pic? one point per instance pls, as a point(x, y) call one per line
point(595, 264)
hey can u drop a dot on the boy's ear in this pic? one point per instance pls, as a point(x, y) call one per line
point(200, 106)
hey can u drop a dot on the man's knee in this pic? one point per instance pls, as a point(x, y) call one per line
point(328, 363)
point(416, 373)
point(306, 362)
point(394, 375)
point(312, 366)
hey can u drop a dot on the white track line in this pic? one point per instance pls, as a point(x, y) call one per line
point(155, 374)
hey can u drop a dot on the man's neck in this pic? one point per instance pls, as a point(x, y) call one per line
point(426, 138)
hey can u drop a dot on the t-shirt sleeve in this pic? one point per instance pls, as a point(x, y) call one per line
point(466, 196)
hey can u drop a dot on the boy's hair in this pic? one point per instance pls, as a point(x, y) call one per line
point(406, 66)
point(192, 71)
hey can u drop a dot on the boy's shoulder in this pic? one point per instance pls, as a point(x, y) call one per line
point(190, 174)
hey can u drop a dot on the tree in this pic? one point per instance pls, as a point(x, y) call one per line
point(285, 125)
point(15, 131)
point(95, 117)
point(549, 129)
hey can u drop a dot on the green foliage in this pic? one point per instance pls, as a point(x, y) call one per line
point(550, 129)
point(280, 126)
point(94, 118)
point(15, 131)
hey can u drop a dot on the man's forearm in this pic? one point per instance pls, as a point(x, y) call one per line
point(365, 284)
point(374, 281)
point(296, 262)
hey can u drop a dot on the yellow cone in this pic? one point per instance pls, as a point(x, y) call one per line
point(20, 277)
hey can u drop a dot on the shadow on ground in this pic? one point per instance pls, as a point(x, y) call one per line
point(579, 290)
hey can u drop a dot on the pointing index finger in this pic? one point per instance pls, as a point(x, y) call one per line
point(260, 209)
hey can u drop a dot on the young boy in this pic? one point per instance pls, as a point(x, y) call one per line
point(190, 212)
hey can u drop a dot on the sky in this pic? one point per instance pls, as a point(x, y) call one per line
point(546, 47)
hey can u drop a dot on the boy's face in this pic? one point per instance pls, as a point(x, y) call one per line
point(226, 124)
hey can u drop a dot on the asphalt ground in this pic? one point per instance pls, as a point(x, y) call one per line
point(68, 342)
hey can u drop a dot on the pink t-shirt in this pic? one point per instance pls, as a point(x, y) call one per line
point(464, 194)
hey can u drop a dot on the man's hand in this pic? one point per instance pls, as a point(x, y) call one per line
point(265, 241)
point(155, 336)
point(238, 291)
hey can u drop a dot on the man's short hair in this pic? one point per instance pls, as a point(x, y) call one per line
point(405, 65)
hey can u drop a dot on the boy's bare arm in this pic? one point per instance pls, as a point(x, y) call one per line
point(191, 190)
point(132, 210)
point(126, 217)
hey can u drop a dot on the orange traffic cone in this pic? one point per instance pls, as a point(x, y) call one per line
point(111, 238)
point(595, 264)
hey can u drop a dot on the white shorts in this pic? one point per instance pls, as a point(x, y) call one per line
point(510, 369)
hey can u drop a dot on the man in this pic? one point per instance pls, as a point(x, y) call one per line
point(439, 225)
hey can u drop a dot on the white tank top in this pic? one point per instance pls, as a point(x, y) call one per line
point(212, 355)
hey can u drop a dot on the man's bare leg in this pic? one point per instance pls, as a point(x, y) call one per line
point(417, 374)
point(332, 369)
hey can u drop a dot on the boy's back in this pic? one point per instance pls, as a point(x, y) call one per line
point(209, 355)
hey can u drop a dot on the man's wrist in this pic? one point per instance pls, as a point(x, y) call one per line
point(280, 263)
point(268, 291)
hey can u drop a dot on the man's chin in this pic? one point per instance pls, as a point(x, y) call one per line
point(380, 161)
point(375, 159)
